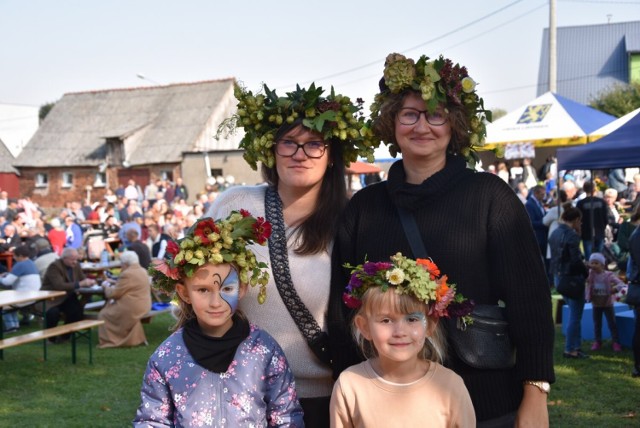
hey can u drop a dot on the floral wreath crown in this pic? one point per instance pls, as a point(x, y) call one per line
point(215, 241)
point(262, 115)
point(419, 278)
point(440, 82)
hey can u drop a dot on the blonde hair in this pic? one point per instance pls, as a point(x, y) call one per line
point(611, 192)
point(374, 298)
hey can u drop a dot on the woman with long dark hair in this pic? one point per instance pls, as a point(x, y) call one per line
point(567, 259)
point(303, 142)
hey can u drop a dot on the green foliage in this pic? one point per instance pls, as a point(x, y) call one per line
point(262, 115)
point(618, 100)
point(57, 393)
point(44, 110)
point(598, 392)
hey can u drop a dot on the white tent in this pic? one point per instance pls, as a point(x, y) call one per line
point(549, 120)
point(612, 126)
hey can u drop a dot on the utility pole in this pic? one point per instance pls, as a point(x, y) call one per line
point(553, 54)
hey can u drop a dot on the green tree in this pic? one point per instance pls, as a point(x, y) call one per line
point(44, 110)
point(618, 100)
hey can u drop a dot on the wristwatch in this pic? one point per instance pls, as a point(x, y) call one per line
point(541, 384)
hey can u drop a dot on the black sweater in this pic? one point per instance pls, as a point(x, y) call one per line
point(478, 233)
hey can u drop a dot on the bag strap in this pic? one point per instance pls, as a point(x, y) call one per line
point(412, 233)
point(280, 268)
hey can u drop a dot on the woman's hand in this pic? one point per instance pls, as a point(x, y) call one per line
point(533, 412)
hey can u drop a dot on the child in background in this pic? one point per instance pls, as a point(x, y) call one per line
point(216, 369)
point(402, 383)
point(602, 285)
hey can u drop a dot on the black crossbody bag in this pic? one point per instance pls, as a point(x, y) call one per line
point(317, 339)
point(484, 343)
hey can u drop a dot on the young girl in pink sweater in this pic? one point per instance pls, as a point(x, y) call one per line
point(601, 286)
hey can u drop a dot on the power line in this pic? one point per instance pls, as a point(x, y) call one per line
point(463, 27)
point(601, 2)
point(496, 27)
point(412, 48)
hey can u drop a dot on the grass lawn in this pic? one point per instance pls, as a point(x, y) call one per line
point(598, 392)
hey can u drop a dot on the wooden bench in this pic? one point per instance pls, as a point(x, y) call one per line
point(76, 329)
point(153, 312)
point(146, 319)
point(94, 306)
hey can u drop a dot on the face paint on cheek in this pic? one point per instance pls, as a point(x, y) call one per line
point(418, 322)
point(230, 290)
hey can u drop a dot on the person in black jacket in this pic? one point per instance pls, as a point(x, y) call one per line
point(634, 277)
point(567, 260)
point(159, 241)
point(472, 224)
point(594, 220)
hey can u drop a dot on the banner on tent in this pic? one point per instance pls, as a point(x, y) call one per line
point(519, 150)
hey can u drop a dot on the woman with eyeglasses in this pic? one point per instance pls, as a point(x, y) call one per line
point(471, 224)
point(303, 142)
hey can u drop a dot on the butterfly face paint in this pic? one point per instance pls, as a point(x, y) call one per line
point(230, 290)
point(418, 324)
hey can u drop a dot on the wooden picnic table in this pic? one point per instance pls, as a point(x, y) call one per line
point(11, 298)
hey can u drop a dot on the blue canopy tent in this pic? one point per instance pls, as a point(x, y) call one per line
point(619, 149)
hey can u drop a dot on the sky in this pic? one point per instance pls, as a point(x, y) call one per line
point(50, 48)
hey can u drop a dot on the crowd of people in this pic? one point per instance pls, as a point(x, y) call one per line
point(583, 225)
point(48, 251)
point(300, 304)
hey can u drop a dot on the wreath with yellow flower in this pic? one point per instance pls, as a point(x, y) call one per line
point(440, 82)
point(420, 278)
point(215, 241)
point(262, 115)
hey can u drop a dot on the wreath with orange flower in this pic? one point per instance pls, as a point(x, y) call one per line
point(419, 278)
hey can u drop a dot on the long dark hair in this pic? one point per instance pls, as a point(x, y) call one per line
point(316, 232)
point(570, 213)
point(385, 125)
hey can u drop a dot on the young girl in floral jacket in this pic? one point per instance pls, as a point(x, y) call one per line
point(216, 369)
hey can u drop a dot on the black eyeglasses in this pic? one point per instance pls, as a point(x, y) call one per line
point(411, 116)
point(313, 149)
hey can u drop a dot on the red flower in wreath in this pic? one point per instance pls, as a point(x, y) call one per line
point(262, 230)
point(244, 213)
point(172, 248)
point(205, 228)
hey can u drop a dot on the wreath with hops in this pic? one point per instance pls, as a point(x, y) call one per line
point(440, 82)
point(262, 114)
point(215, 241)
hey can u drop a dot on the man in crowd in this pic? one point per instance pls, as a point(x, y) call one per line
point(138, 247)
point(158, 241)
point(65, 274)
point(594, 220)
